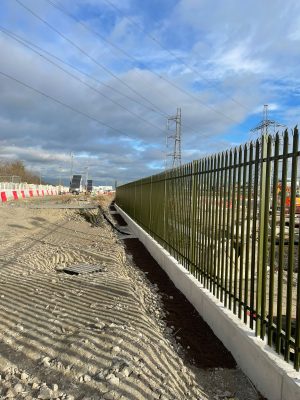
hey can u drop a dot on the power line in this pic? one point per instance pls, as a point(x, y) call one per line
point(107, 70)
point(33, 46)
point(154, 39)
point(81, 81)
point(22, 39)
point(63, 104)
point(155, 109)
point(130, 56)
point(64, 11)
point(116, 77)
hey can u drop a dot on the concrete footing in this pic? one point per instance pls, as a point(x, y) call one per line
point(273, 377)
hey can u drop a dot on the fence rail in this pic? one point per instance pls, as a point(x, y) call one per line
point(232, 220)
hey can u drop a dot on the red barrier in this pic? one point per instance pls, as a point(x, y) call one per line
point(31, 193)
point(3, 197)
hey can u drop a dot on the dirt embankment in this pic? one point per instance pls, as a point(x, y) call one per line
point(103, 335)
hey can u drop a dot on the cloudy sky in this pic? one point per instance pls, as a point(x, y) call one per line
point(99, 78)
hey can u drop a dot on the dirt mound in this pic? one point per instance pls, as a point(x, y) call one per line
point(94, 336)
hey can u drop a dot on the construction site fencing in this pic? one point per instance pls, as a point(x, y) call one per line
point(23, 186)
point(232, 220)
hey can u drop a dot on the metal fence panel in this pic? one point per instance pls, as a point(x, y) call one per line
point(233, 220)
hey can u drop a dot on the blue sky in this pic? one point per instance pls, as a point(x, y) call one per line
point(132, 64)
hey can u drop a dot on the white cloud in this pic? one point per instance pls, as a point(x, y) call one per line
point(271, 107)
point(238, 60)
point(235, 56)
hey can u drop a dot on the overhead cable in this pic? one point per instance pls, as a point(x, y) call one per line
point(75, 110)
point(80, 80)
point(152, 106)
point(34, 45)
point(172, 54)
point(196, 98)
point(107, 70)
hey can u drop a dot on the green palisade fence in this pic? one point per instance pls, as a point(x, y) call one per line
point(232, 220)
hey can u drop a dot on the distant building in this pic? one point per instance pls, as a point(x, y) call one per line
point(102, 189)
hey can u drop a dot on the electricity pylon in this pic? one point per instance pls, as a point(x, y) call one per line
point(174, 133)
point(264, 125)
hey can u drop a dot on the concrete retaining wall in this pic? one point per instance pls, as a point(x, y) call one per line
point(273, 377)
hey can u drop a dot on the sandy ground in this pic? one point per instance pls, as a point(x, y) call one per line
point(92, 336)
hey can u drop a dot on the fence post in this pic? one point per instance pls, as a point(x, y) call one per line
point(150, 205)
point(134, 204)
point(165, 201)
point(261, 231)
point(291, 248)
point(193, 218)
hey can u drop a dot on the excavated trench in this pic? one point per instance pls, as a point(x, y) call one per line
point(201, 347)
